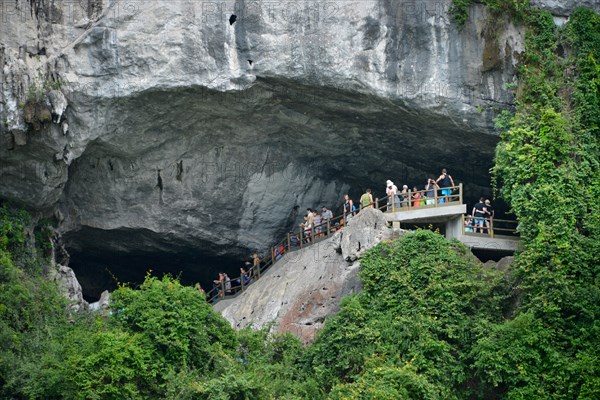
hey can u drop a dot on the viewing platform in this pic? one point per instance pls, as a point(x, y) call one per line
point(497, 235)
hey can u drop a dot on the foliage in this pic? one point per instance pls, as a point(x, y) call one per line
point(517, 9)
point(176, 319)
point(547, 165)
point(431, 322)
point(424, 303)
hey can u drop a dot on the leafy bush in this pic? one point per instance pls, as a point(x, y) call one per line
point(424, 303)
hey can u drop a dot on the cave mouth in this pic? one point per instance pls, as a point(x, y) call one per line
point(98, 272)
point(103, 259)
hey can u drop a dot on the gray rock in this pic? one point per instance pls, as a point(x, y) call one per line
point(565, 7)
point(103, 304)
point(19, 137)
point(364, 231)
point(68, 285)
point(184, 129)
point(58, 102)
point(306, 286)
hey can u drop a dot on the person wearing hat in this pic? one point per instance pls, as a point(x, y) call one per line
point(404, 196)
point(392, 192)
point(489, 215)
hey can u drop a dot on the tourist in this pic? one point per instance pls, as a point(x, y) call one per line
point(227, 283)
point(309, 220)
point(430, 189)
point(489, 216)
point(416, 197)
point(199, 289)
point(218, 286)
point(244, 278)
point(318, 221)
point(404, 196)
point(479, 214)
point(348, 207)
point(468, 224)
point(327, 215)
point(446, 182)
point(392, 192)
point(366, 200)
point(256, 264)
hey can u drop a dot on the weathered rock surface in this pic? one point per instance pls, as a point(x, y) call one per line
point(306, 286)
point(103, 304)
point(186, 130)
point(68, 285)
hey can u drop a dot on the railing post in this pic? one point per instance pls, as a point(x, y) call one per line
point(435, 196)
point(491, 228)
point(312, 234)
point(328, 226)
point(409, 198)
point(272, 255)
point(289, 241)
point(222, 289)
point(460, 193)
point(393, 197)
point(344, 215)
point(301, 237)
point(242, 282)
point(377, 203)
point(258, 271)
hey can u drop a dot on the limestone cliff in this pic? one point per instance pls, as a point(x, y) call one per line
point(173, 125)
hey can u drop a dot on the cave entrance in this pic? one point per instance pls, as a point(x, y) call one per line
point(101, 264)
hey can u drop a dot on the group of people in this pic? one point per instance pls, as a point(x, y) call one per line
point(481, 217)
point(427, 195)
point(224, 285)
point(318, 224)
point(315, 224)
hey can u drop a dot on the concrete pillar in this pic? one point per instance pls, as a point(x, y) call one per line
point(454, 228)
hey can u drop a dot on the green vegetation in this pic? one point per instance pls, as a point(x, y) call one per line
point(36, 111)
point(431, 322)
point(547, 166)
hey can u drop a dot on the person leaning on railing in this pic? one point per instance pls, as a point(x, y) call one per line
point(416, 197)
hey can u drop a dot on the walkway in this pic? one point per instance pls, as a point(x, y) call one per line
point(450, 211)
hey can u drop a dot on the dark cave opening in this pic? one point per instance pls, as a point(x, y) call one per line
point(103, 259)
point(98, 272)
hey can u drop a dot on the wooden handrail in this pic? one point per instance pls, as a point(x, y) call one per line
point(408, 203)
point(492, 227)
point(329, 226)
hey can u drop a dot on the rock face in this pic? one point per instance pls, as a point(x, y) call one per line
point(68, 286)
point(306, 286)
point(161, 120)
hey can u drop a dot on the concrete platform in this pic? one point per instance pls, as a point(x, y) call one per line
point(451, 216)
point(427, 214)
point(484, 242)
